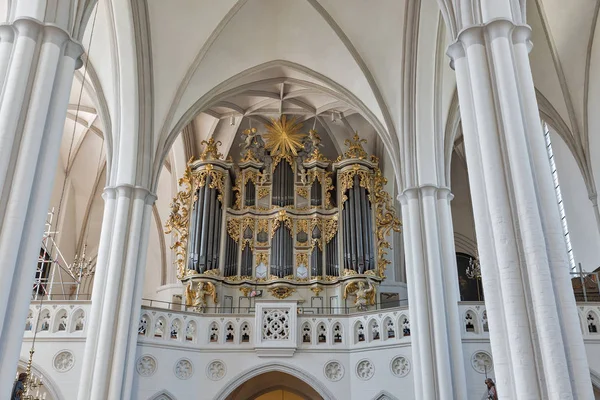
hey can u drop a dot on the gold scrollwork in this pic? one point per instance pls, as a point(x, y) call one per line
point(330, 227)
point(211, 152)
point(263, 192)
point(262, 258)
point(281, 292)
point(281, 217)
point(178, 221)
point(302, 192)
point(237, 189)
point(355, 148)
point(346, 180)
point(217, 179)
point(302, 259)
point(302, 225)
point(234, 229)
point(385, 220)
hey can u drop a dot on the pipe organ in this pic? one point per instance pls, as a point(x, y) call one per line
point(284, 218)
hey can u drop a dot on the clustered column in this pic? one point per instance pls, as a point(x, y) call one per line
point(433, 293)
point(109, 358)
point(534, 328)
point(37, 62)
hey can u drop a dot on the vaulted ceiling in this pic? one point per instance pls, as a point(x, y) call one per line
point(338, 65)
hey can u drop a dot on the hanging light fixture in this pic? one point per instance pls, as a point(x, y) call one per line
point(232, 120)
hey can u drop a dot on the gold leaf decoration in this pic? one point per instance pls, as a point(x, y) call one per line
point(233, 229)
point(263, 192)
point(211, 151)
point(385, 220)
point(302, 192)
point(281, 292)
point(355, 149)
point(283, 137)
point(346, 180)
point(178, 220)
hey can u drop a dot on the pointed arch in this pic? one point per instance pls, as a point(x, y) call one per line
point(292, 370)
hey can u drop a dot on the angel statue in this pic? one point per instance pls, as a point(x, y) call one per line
point(314, 139)
point(195, 298)
point(365, 296)
point(249, 139)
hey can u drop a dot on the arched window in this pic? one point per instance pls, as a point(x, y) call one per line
point(390, 331)
point(592, 323)
point(359, 333)
point(245, 333)
point(159, 327)
point(190, 331)
point(470, 322)
point(213, 333)
point(374, 330)
point(229, 333)
point(175, 329)
point(306, 333)
point(321, 333)
point(469, 281)
point(337, 333)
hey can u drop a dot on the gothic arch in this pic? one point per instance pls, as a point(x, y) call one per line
point(163, 395)
point(223, 90)
point(49, 385)
point(253, 372)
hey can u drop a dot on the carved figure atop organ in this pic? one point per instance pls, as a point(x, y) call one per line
point(285, 216)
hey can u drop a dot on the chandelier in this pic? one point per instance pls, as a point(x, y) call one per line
point(474, 268)
point(82, 267)
point(32, 383)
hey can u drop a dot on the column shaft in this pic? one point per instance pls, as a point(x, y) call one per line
point(524, 266)
point(433, 294)
point(38, 62)
point(110, 353)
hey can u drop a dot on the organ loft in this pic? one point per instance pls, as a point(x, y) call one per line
point(284, 222)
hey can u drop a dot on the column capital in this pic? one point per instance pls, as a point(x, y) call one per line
point(129, 191)
point(441, 192)
point(491, 30)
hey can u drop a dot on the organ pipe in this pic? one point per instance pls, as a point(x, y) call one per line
point(351, 233)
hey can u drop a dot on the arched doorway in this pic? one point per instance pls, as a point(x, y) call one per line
point(274, 385)
point(260, 382)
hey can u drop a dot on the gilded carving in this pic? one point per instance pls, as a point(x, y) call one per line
point(301, 259)
point(281, 217)
point(234, 229)
point(263, 192)
point(302, 192)
point(281, 292)
point(283, 136)
point(330, 227)
point(346, 180)
point(355, 148)
point(178, 221)
point(211, 151)
point(365, 295)
point(385, 220)
point(196, 298)
point(262, 258)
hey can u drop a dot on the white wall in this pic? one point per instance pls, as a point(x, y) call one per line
point(583, 228)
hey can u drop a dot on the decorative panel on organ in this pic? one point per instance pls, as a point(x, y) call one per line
point(284, 222)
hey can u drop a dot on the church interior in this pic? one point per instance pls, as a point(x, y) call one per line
point(299, 200)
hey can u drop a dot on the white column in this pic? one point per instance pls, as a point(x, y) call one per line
point(37, 62)
point(433, 294)
point(116, 301)
point(529, 298)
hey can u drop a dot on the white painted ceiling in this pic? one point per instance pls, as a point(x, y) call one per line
point(341, 56)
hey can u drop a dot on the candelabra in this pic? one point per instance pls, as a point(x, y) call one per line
point(32, 383)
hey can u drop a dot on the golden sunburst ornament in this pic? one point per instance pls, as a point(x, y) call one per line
point(283, 136)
